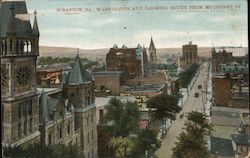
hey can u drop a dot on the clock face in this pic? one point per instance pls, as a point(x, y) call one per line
point(23, 75)
point(3, 78)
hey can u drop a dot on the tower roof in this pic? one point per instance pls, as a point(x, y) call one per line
point(22, 27)
point(78, 75)
point(152, 45)
point(35, 30)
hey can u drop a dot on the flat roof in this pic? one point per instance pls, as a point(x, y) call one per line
point(104, 73)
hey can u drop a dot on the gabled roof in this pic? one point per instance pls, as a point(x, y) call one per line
point(78, 75)
point(22, 27)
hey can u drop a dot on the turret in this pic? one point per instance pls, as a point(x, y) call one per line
point(35, 34)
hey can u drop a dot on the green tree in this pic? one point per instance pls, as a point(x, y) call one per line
point(192, 143)
point(124, 147)
point(163, 106)
point(122, 118)
point(146, 142)
point(186, 76)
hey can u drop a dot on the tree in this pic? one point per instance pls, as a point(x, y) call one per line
point(122, 118)
point(124, 147)
point(191, 143)
point(186, 76)
point(163, 106)
point(146, 142)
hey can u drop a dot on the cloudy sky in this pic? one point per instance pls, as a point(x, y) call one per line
point(89, 28)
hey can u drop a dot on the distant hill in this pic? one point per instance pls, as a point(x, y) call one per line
point(101, 53)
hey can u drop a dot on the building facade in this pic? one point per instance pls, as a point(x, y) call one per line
point(65, 114)
point(79, 90)
point(220, 57)
point(190, 55)
point(18, 52)
point(134, 61)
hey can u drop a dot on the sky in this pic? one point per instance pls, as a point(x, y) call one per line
point(169, 27)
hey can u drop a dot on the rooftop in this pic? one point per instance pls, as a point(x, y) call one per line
point(222, 147)
point(226, 118)
point(22, 27)
point(245, 117)
point(241, 139)
point(107, 73)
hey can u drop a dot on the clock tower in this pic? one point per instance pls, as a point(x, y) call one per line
point(19, 48)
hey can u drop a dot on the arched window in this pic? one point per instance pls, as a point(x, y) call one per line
point(25, 49)
point(29, 46)
point(17, 47)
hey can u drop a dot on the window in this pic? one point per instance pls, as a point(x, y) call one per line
point(101, 114)
point(91, 117)
point(19, 130)
point(25, 127)
point(69, 128)
point(19, 111)
point(92, 135)
point(25, 110)
point(30, 125)
point(60, 131)
point(2, 119)
point(50, 139)
point(92, 153)
point(88, 137)
point(30, 107)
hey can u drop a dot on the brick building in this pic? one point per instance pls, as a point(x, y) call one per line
point(220, 57)
point(190, 55)
point(222, 90)
point(18, 52)
point(109, 81)
point(134, 61)
point(49, 77)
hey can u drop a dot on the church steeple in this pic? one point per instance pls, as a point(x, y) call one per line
point(152, 45)
point(11, 23)
point(35, 30)
point(152, 51)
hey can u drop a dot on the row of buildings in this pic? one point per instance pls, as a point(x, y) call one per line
point(230, 111)
point(66, 111)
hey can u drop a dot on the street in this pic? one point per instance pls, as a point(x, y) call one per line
point(192, 104)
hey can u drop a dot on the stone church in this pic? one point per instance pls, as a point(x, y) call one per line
point(66, 115)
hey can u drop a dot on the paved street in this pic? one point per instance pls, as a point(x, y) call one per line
point(192, 104)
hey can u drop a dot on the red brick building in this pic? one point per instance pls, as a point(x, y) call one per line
point(220, 57)
point(134, 61)
point(222, 90)
point(190, 55)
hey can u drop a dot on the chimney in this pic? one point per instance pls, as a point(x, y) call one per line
point(190, 43)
